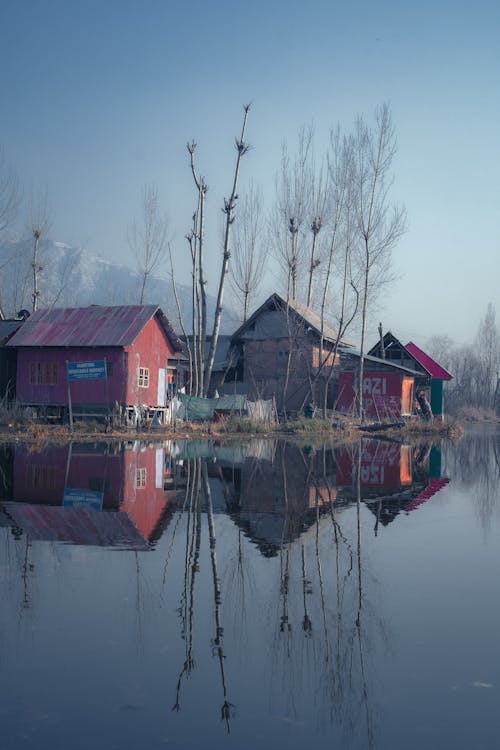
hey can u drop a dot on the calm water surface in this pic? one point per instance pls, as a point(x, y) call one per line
point(185, 595)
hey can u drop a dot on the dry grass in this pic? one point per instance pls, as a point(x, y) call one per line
point(448, 429)
point(20, 424)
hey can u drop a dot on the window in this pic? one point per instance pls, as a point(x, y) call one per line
point(327, 359)
point(43, 373)
point(143, 377)
point(140, 478)
point(41, 476)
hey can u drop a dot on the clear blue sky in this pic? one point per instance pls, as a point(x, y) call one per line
point(99, 98)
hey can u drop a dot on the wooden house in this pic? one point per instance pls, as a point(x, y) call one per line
point(284, 352)
point(438, 376)
point(430, 376)
point(96, 359)
point(388, 387)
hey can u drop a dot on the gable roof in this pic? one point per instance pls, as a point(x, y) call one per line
point(392, 347)
point(395, 349)
point(434, 369)
point(312, 319)
point(381, 363)
point(91, 326)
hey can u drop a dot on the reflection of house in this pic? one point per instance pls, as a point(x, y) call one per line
point(279, 348)
point(82, 526)
point(100, 481)
point(386, 467)
point(431, 375)
point(278, 499)
point(133, 342)
point(393, 477)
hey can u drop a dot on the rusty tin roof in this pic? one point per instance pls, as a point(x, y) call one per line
point(90, 326)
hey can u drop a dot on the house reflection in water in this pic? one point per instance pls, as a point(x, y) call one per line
point(88, 493)
point(280, 496)
point(393, 477)
point(124, 494)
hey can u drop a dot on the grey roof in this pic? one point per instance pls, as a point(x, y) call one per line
point(312, 319)
point(8, 328)
point(385, 362)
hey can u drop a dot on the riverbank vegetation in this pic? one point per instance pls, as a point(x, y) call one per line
point(18, 424)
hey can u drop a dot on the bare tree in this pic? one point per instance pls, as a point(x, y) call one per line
point(9, 205)
point(319, 209)
point(380, 224)
point(148, 238)
point(249, 252)
point(10, 194)
point(292, 207)
point(40, 221)
point(229, 210)
point(196, 239)
point(489, 358)
point(338, 293)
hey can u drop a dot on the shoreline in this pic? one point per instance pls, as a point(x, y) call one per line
point(346, 431)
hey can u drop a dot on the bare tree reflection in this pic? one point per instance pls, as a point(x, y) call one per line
point(191, 568)
point(227, 706)
point(474, 463)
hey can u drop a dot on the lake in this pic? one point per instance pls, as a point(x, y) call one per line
point(262, 594)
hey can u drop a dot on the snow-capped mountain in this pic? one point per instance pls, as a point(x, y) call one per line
point(72, 276)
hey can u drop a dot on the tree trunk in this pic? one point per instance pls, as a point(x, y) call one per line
point(229, 208)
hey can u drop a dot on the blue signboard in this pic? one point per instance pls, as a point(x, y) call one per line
point(86, 370)
point(75, 498)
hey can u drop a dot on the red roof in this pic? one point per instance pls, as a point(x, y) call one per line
point(433, 486)
point(76, 526)
point(90, 326)
point(434, 369)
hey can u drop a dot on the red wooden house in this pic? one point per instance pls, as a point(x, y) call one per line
point(430, 375)
point(388, 388)
point(132, 343)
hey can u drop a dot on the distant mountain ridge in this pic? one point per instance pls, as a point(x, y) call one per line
point(74, 277)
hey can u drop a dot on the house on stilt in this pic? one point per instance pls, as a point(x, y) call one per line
point(98, 360)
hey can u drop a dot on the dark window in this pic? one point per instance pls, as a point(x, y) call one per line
point(43, 373)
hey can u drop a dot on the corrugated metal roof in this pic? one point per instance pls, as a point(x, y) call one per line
point(302, 311)
point(378, 361)
point(90, 326)
point(434, 369)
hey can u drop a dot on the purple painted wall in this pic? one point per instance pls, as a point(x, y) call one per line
point(151, 349)
point(86, 392)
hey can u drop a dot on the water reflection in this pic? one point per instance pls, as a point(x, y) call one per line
point(57, 494)
point(254, 563)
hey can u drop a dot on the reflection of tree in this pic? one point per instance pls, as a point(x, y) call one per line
point(191, 567)
point(197, 484)
point(474, 463)
point(323, 624)
point(219, 630)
